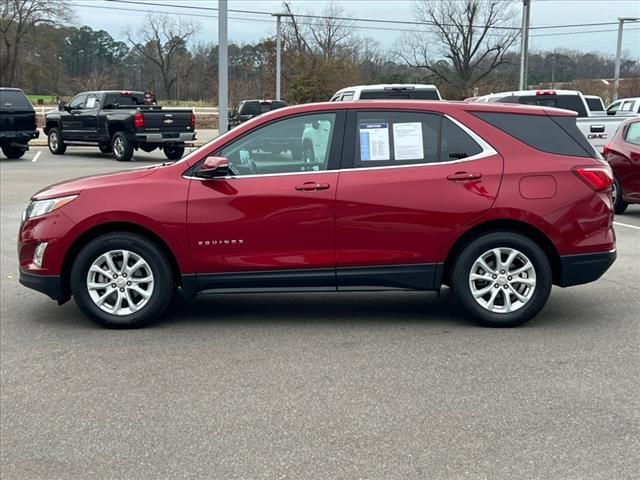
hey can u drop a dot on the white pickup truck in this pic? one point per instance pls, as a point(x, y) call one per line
point(596, 126)
point(624, 106)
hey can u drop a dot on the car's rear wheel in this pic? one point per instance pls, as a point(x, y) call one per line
point(173, 153)
point(122, 280)
point(13, 152)
point(105, 148)
point(619, 205)
point(55, 142)
point(122, 147)
point(503, 279)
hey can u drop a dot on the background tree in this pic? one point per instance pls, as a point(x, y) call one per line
point(472, 36)
point(17, 19)
point(162, 40)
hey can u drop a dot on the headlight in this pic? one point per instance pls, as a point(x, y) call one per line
point(40, 207)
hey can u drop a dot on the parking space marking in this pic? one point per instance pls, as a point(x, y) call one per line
point(35, 158)
point(626, 225)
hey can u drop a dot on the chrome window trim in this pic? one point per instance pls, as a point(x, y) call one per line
point(487, 151)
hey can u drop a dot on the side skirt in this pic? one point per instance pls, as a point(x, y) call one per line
point(396, 277)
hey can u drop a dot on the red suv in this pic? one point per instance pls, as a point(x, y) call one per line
point(623, 154)
point(497, 201)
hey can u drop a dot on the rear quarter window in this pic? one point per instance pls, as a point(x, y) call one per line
point(12, 99)
point(556, 135)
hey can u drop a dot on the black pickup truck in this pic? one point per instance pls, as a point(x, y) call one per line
point(119, 122)
point(17, 122)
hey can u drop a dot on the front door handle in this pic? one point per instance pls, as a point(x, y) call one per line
point(312, 186)
point(464, 176)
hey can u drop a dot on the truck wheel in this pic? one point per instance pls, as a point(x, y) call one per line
point(619, 205)
point(173, 153)
point(122, 280)
point(502, 279)
point(105, 148)
point(122, 147)
point(55, 142)
point(13, 152)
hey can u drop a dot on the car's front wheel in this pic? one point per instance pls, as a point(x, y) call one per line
point(619, 205)
point(173, 153)
point(122, 280)
point(13, 152)
point(502, 279)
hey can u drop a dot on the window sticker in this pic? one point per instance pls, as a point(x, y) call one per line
point(374, 141)
point(91, 103)
point(407, 141)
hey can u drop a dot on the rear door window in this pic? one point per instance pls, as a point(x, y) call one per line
point(456, 144)
point(557, 135)
point(627, 106)
point(14, 99)
point(633, 134)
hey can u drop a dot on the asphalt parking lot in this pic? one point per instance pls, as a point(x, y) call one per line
point(311, 386)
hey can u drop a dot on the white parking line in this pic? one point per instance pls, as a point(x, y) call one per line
point(626, 225)
point(35, 158)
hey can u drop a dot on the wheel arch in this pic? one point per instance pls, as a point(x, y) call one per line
point(111, 227)
point(515, 226)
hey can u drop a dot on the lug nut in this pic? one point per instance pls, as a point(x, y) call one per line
point(115, 275)
point(124, 274)
point(113, 285)
point(506, 286)
point(122, 289)
point(495, 276)
point(501, 271)
point(497, 286)
point(128, 283)
point(509, 278)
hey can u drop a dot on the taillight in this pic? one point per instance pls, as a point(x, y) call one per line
point(193, 121)
point(598, 178)
point(138, 120)
point(545, 92)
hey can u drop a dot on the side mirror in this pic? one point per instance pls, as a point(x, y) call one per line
point(214, 167)
point(62, 106)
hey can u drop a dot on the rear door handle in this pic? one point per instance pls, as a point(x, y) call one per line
point(312, 187)
point(464, 176)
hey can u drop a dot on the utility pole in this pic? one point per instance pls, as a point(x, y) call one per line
point(279, 49)
point(524, 43)
point(616, 76)
point(223, 69)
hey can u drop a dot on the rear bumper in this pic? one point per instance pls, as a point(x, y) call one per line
point(580, 269)
point(18, 138)
point(163, 138)
point(47, 284)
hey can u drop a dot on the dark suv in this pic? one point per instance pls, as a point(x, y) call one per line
point(17, 122)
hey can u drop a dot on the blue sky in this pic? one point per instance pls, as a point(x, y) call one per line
point(245, 28)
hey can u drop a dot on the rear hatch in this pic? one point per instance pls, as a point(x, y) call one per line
point(16, 112)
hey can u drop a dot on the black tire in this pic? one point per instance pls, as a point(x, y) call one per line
point(460, 279)
point(122, 147)
point(105, 147)
point(619, 205)
point(13, 152)
point(173, 153)
point(55, 142)
point(163, 284)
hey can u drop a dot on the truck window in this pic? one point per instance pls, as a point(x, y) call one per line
point(11, 99)
point(78, 102)
point(557, 135)
point(398, 94)
point(123, 100)
point(627, 106)
point(595, 104)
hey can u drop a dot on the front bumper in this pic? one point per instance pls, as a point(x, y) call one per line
point(580, 269)
point(48, 284)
